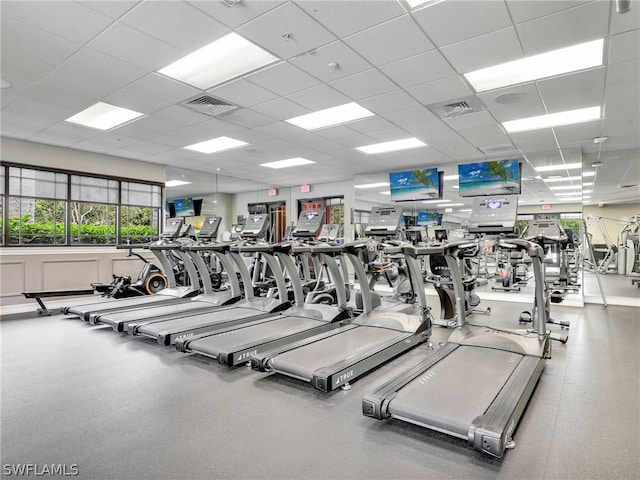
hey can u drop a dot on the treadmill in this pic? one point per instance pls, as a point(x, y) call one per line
point(237, 346)
point(333, 359)
point(173, 293)
point(477, 386)
point(207, 301)
point(250, 309)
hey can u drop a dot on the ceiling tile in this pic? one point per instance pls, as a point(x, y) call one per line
point(469, 120)
point(623, 73)
point(402, 39)
point(525, 10)
point(418, 69)
point(123, 42)
point(283, 79)
point(625, 22)
point(280, 109)
point(163, 88)
point(572, 83)
point(345, 17)
point(248, 118)
point(535, 141)
point(278, 129)
point(451, 22)
point(238, 14)
point(73, 21)
point(241, 92)
point(98, 65)
point(364, 84)
point(110, 8)
point(70, 89)
point(569, 27)
point(484, 51)
point(440, 90)
point(181, 116)
point(158, 19)
point(269, 31)
point(578, 100)
point(19, 67)
point(389, 102)
point(318, 97)
point(35, 43)
point(528, 90)
point(578, 134)
point(625, 46)
point(317, 62)
point(133, 100)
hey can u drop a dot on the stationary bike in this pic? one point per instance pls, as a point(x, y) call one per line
point(440, 278)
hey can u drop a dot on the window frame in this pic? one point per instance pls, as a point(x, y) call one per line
point(6, 195)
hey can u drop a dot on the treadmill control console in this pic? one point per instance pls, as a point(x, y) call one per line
point(309, 223)
point(329, 232)
point(494, 214)
point(545, 230)
point(383, 221)
point(255, 226)
point(209, 228)
point(172, 228)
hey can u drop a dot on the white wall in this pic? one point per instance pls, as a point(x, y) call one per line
point(41, 155)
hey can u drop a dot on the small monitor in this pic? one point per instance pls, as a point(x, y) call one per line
point(440, 234)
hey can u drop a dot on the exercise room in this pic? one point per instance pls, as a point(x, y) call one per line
point(320, 239)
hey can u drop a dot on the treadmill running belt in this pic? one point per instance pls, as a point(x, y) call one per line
point(279, 328)
point(188, 323)
point(302, 362)
point(451, 394)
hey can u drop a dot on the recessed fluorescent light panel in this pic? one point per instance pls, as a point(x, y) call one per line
point(565, 187)
point(559, 119)
point(416, 3)
point(103, 116)
point(451, 205)
point(556, 62)
point(216, 145)
point(175, 183)
point(228, 57)
point(392, 146)
point(372, 185)
point(290, 162)
point(563, 166)
point(331, 116)
point(561, 179)
point(450, 177)
point(435, 201)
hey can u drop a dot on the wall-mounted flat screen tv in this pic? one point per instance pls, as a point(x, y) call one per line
point(499, 177)
point(184, 207)
point(415, 185)
point(429, 218)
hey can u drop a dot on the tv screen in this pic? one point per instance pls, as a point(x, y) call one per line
point(415, 185)
point(197, 207)
point(171, 208)
point(184, 207)
point(429, 218)
point(500, 177)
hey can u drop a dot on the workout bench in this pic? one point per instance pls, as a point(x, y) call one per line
point(38, 296)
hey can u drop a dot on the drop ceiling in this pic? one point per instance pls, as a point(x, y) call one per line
point(62, 57)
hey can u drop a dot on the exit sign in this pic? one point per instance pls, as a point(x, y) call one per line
point(272, 192)
point(546, 206)
point(305, 188)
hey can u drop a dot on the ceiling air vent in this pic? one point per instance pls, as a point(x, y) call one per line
point(457, 107)
point(214, 107)
point(497, 149)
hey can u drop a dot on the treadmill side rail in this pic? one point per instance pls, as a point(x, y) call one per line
point(491, 432)
point(329, 378)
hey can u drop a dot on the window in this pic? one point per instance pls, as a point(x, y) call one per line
point(42, 207)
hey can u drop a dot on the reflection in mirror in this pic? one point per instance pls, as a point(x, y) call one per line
point(218, 195)
point(611, 206)
point(500, 275)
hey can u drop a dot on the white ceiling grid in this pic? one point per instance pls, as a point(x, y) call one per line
point(61, 57)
